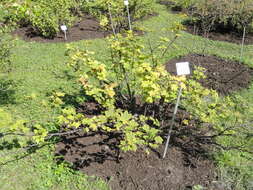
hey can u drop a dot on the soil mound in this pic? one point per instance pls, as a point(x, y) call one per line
point(224, 76)
point(87, 28)
point(187, 162)
point(96, 154)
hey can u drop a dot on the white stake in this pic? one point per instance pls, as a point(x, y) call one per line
point(183, 68)
point(243, 40)
point(172, 121)
point(65, 35)
point(64, 29)
point(126, 3)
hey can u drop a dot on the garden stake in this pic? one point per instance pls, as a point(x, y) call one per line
point(65, 35)
point(126, 3)
point(64, 29)
point(183, 69)
point(243, 40)
point(172, 121)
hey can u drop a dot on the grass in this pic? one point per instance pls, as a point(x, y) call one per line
point(40, 68)
point(40, 172)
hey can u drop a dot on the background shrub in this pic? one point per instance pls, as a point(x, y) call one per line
point(216, 15)
point(102, 8)
point(44, 16)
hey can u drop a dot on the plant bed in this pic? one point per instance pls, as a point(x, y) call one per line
point(87, 28)
point(226, 35)
point(224, 76)
point(186, 164)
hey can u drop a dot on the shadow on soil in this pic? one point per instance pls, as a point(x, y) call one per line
point(187, 162)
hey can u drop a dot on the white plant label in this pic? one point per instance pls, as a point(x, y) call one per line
point(64, 28)
point(183, 68)
point(126, 3)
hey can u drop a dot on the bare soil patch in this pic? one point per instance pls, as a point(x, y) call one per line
point(86, 28)
point(224, 76)
point(96, 155)
point(227, 35)
point(187, 163)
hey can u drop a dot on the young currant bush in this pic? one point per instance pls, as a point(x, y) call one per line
point(114, 12)
point(133, 75)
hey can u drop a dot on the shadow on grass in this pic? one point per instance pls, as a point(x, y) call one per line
point(7, 92)
point(9, 145)
point(19, 153)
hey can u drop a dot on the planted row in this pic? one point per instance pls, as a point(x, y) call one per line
point(213, 15)
point(45, 16)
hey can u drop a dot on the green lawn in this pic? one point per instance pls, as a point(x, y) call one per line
point(40, 69)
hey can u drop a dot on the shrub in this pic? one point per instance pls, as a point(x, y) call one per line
point(45, 16)
point(178, 5)
point(222, 14)
point(183, 4)
point(133, 75)
point(103, 8)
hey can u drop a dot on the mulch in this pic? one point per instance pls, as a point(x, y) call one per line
point(224, 76)
point(86, 28)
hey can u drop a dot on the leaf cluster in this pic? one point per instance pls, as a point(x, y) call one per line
point(45, 16)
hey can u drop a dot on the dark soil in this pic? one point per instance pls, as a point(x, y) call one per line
point(224, 76)
point(96, 154)
point(87, 28)
point(187, 162)
point(222, 35)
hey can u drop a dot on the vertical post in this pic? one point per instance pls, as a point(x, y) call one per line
point(173, 120)
point(128, 14)
point(243, 40)
point(65, 35)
